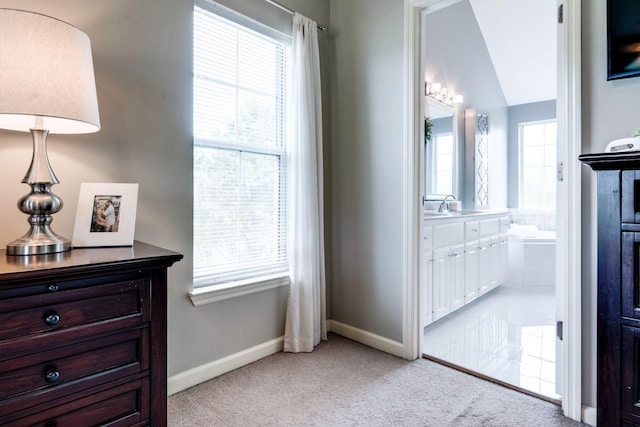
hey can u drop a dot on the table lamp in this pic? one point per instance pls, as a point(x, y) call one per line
point(47, 86)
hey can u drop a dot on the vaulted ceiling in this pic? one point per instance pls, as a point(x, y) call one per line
point(521, 37)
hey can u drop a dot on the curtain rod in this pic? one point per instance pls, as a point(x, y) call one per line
point(292, 12)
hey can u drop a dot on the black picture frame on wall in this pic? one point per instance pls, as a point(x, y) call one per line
point(623, 39)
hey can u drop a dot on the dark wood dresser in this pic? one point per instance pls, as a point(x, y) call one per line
point(83, 337)
point(618, 323)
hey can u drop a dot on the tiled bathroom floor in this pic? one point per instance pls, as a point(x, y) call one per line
point(507, 334)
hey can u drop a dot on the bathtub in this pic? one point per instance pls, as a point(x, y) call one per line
point(532, 256)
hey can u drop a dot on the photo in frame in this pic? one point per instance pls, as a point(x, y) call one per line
point(623, 39)
point(106, 215)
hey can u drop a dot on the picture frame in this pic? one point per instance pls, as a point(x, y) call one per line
point(106, 215)
point(623, 39)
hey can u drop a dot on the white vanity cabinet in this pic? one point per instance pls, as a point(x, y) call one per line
point(463, 257)
point(447, 269)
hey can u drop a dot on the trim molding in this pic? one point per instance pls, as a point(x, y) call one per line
point(214, 293)
point(367, 338)
point(571, 117)
point(589, 415)
point(208, 371)
point(199, 374)
point(411, 189)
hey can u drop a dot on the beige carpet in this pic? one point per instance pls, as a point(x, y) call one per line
point(343, 383)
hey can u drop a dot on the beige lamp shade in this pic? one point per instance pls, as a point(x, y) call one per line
point(46, 75)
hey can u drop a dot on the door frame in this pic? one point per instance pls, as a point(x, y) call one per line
point(570, 116)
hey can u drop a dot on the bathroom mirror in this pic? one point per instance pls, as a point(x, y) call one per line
point(441, 148)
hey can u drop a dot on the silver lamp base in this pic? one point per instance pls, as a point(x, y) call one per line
point(38, 241)
point(39, 204)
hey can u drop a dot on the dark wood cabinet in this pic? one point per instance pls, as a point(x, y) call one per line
point(83, 337)
point(618, 306)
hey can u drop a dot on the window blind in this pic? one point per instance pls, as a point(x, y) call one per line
point(239, 126)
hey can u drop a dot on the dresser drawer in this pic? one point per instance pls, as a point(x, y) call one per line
point(44, 313)
point(630, 370)
point(54, 373)
point(123, 405)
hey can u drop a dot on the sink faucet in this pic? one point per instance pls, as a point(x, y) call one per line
point(444, 206)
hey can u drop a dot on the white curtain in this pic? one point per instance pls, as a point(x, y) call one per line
point(306, 311)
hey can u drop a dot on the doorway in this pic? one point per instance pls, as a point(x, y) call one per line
point(569, 130)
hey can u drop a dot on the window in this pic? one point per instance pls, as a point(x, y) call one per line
point(440, 169)
point(538, 165)
point(239, 140)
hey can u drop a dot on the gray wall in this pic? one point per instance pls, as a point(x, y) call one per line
point(459, 60)
point(367, 162)
point(536, 111)
point(142, 58)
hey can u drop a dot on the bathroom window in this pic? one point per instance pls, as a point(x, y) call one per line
point(538, 165)
point(240, 80)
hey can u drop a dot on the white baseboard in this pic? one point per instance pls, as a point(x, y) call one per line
point(589, 415)
point(200, 374)
point(367, 338)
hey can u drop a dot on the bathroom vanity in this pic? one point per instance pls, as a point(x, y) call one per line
point(464, 256)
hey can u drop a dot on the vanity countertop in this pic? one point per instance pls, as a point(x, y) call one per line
point(463, 214)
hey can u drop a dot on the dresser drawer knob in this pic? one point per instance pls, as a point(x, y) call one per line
point(51, 376)
point(53, 287)
point(52, 319)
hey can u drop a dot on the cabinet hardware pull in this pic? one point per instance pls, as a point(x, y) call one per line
point(52, 319)
point(52, 375)
point(53, 287)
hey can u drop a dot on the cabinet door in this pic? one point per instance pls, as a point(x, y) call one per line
point(484, 266)
point(456, 277)
point(494, 262)
point(426, 285)
point(471, 279)
point(503, 258)
point(630, 286)
point(439, 292)
point(630, 205)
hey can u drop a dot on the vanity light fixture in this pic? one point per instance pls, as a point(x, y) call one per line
point(47, 85)
point(442, 94)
